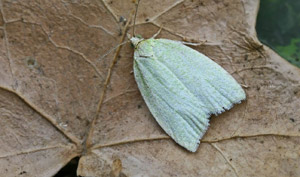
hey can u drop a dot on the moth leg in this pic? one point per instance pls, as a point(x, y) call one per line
point(157, 33)
point(194, 44)
point(111, 50)
point(245, 86)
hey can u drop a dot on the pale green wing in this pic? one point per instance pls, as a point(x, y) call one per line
point(208, 81)
point(169, 84)
point(174, 107)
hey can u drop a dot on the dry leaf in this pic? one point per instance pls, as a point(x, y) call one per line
point(51, 82)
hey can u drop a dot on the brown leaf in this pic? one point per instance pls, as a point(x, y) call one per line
point(52, 77)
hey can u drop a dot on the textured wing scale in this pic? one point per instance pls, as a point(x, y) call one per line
point(209, 82)
point(182, 88)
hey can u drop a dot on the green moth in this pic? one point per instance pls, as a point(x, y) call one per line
point(182, 87)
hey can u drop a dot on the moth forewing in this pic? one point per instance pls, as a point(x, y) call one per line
point(182, 88)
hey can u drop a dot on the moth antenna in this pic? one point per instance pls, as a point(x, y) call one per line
point(124, 32)
point(111, 50)
point(136, 10)
point(157, 33)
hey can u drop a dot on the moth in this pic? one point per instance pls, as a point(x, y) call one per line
point(182, 87)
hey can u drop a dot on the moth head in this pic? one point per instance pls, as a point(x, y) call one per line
point(136, 40)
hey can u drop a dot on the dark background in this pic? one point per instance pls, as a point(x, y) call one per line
point(278, 26)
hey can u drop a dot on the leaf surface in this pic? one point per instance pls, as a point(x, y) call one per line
point(52, 76)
